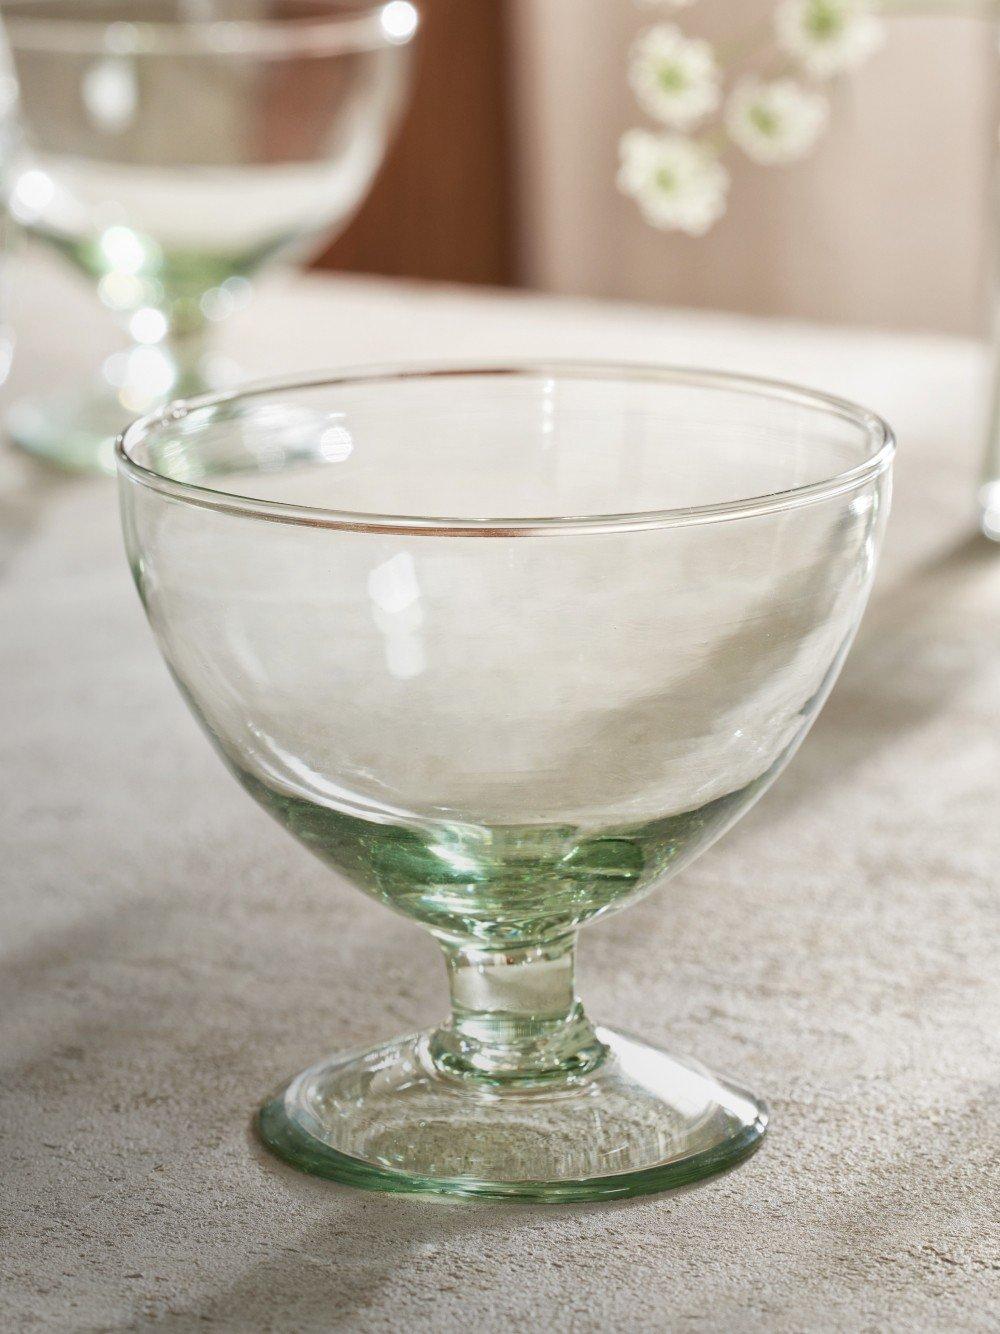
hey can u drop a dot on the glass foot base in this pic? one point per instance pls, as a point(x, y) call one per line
point(75, 431)
point(76, 428)
point(386, 1119)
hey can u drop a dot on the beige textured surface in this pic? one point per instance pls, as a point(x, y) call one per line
point(169, 954)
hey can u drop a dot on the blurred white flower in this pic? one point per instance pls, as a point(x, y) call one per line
point(674, 77)
point(828, 36)
point(776, 121)
point(678, 184)
point(664, 4)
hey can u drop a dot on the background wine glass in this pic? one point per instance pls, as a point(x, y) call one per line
point(171, 148)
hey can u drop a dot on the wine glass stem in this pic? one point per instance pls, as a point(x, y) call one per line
point(515, 1018)
point(188, 350)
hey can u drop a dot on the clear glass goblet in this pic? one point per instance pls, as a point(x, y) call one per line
point(171, 148)
point(507, 648)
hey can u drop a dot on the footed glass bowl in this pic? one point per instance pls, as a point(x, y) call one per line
point(507, 648)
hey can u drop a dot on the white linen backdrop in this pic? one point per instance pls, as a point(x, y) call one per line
point(884, 224)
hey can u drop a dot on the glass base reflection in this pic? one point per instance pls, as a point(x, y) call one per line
point(389, 1119)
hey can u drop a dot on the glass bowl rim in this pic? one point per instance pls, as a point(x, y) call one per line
point(879, 434)
point(361, 26)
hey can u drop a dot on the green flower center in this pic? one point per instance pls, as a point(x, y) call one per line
point(671, 78)
point(824, 20)
point(763, 120)
point(665, 180)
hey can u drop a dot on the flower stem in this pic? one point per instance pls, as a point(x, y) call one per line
point(747, 44)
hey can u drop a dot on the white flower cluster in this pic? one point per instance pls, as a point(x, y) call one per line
point(679, 184)
point(777, 121)
point(678, 181)
point(828, 37)
point(675, 78)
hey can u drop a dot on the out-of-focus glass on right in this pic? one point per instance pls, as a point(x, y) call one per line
point(989, 491)
point(8, 108)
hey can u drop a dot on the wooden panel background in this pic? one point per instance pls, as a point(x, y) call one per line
point(443, 204)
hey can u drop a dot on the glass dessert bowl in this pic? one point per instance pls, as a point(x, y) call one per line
point(507, 648)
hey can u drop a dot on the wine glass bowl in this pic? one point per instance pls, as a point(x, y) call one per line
point(171, 149)
point(507, 648)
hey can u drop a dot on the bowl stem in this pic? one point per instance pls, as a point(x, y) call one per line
point(515, 1019)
